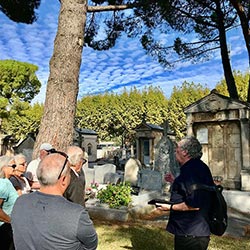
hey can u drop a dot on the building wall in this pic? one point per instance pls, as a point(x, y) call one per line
point(222, 151)
point(222, 126)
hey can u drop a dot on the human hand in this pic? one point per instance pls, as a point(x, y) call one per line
point(177, 207)
point(163, 207)
point(154, 214)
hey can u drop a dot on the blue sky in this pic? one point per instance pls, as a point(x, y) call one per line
point(125, 65)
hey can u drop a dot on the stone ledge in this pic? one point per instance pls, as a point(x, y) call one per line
point(106, 213)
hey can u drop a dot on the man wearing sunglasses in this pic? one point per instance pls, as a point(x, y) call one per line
point(75, 192)
point(45, 219)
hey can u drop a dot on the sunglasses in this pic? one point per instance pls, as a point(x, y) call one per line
point(52, 151)
point(64, 164)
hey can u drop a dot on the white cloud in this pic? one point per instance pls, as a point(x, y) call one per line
point(125, 65)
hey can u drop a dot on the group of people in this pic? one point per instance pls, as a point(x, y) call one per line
point(53, 214)
point(45, 197)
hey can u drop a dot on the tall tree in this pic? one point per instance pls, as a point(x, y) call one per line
point(115, 116)
point(243, 11)
point(62, 87)
point(18, 82)
point(209, 19)
point(180, 98)
point(23, 120)
point(241, 80)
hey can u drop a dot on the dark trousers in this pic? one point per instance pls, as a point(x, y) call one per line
point(6, 238)
point(191, 243)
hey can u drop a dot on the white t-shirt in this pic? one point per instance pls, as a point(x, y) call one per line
point(32, 167)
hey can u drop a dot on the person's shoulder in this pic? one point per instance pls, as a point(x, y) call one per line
point(5, 182)
point(14, 180)
point(74, 207)
point(24, 198)
point(34, 162)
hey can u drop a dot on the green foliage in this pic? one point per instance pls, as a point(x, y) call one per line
point(241, 81)
point(18, 86)
point(20, 11)
point(18, 83)
point(116, 116)
point(115, 195)
point(180, 98)
point(23, 119)
point(18, 80)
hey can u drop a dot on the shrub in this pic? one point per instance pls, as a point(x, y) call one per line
point(115, 195)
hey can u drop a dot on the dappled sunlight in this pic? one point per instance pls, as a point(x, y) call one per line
point(146, 236)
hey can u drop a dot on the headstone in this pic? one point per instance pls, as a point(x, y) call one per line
point(112, 178)
point(245, 180)
point(101, 170)
point(131, 169)
point(150, 180)
point(165, 161)
point(89, 176)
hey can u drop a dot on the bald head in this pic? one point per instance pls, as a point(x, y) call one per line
point(49, 169)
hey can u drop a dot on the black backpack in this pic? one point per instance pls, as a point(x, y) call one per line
point(217, 217)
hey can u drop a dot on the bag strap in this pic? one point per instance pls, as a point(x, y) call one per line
point(197, 186)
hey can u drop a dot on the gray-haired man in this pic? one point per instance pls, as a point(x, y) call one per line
point(75, 192)
point(45, 219)
point(187, 220)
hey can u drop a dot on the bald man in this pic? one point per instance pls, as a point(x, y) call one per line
point(45, 219)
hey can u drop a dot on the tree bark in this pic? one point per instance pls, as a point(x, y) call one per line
point(246, 33)
point(231, 86)
point(57, 124)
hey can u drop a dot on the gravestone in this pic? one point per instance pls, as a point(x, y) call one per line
point(131, 169)
point(101, 170)
point(165, 161)
point(89, 176)
point(150, 180)
point(112, 178)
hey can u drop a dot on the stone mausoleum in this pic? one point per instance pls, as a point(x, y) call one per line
point(222, 126)
point(147, 137)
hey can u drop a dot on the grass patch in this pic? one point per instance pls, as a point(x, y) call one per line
point(144, 236)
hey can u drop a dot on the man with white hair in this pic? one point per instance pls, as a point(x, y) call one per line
point(76, 189)
point(189, 209)
point(44, 150)
point(45, 219)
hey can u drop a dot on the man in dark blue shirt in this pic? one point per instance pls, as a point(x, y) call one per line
point(187, 220)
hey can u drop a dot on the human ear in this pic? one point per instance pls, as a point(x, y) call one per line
point(184, 153)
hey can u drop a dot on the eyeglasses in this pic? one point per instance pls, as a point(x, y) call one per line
point(64, 164)
point(83, 161)
point(23, 163)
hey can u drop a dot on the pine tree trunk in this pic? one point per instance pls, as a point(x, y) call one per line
point(231, 86)
point(57, 124)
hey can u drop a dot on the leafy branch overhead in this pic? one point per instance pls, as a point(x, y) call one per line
point(207, 22)
point(20, 11)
